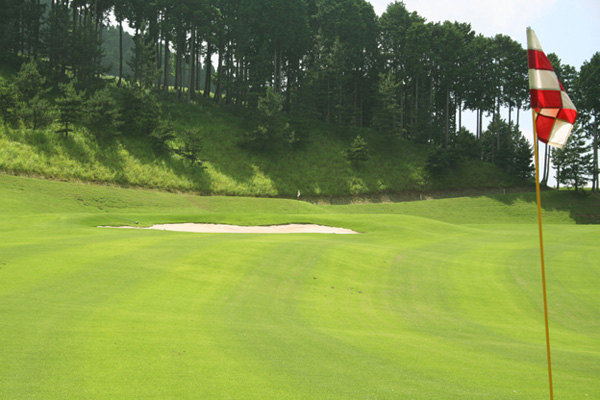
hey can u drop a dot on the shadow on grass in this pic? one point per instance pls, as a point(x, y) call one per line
point(583, 206)
point(413, 195)
point(143, 153)
point(50, 144)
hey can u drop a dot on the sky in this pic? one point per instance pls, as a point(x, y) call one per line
point(568, 28)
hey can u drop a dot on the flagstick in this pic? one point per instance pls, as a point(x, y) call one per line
point(539, 209)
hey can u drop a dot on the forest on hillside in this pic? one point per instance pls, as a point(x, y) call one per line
point(329, 60)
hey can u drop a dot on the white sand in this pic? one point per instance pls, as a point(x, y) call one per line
point(221, 228)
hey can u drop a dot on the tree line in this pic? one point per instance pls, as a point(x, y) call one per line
point(333, 60)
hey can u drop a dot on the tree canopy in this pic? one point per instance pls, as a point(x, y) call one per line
point(335, 60)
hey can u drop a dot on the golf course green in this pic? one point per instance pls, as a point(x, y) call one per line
point(436, 299)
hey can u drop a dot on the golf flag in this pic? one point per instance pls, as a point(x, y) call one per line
point(553, 111)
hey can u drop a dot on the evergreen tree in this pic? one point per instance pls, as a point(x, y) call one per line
point(8, 104)
point(272, 129)
point(558, 157)
point(358, 152)
point(56, 34)
point(29, 82)
point(101, 116)
point(139, 109)
point(588, 88)
point(388, 114)
point(33, 108)
point(575, 161)
point(143, 62)
point(522, 158)
point(161, 136)
point(86, 55)
point(69, 106)
point(513, 154)
point(38, 114)
point(191, 146)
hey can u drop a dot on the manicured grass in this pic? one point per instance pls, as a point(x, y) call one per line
point(436, 300)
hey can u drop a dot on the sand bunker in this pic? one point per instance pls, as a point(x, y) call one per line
point(221, 228)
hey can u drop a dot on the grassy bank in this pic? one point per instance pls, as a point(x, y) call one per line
point(318, 167)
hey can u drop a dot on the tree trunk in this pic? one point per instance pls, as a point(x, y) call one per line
point(208, 62)
point(136, 60)
point(595, 183)
point(447, 116)
point(192, 86)
point(228, 89)
point(479, 123)
point(277, 65)
point(178, 67)
point(358, 117)
point(416, 107)
point(545, 165)
point(219, 77)
point(120, 53)
point(328, 110)
point(167, 67)
point(459, 102)
point(547, 173)
point(73, 41)
point(402, 110)
point(198, 64)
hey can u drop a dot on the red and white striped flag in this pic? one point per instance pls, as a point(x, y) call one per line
point(554, 112)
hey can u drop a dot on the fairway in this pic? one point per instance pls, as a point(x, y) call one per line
point(432, 300)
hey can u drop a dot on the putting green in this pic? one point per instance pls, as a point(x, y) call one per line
point(413, 308)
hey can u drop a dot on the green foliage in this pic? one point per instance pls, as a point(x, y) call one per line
point(56, 34)
point(161, 136)
point(522, 164)
point(38, 114)
point(443, 161)
point(29, 82)
point(588, 84)
point(86, 56)
point(505, 146)
point(140, 111)
point(319, 167)
point(273, 129)
point(32, 107)
point(388, 115)
point(573, 162)
point(101, 115)
point(358, 152)
point(70, 107)
point(466, 144)
point(143, 63)
point(110, 46)
point(9, 104)
point(190, 147)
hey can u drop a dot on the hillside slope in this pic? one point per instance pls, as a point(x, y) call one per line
point(318, 167)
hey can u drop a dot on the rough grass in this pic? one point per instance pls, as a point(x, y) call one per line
point(318, 167)
point(422, 305)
